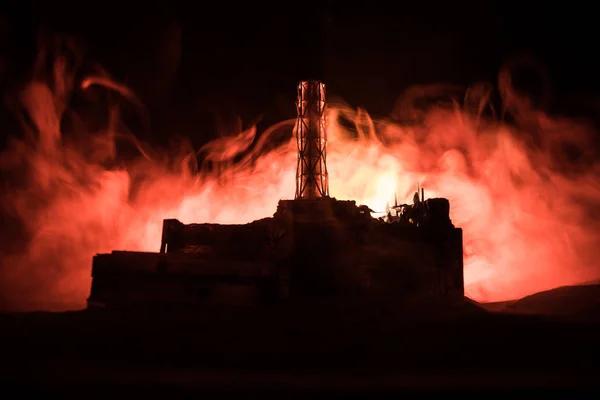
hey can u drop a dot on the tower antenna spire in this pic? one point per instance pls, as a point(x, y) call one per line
point(312, 180)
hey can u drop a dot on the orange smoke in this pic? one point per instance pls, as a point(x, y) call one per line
point(525, 209)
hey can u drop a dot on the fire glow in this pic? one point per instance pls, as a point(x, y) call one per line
point(526, 213)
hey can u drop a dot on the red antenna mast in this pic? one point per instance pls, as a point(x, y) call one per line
point(312, 180)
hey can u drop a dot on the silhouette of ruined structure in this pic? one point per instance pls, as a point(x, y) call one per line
point(314, 246)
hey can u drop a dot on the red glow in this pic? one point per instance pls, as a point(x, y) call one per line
point(526, 226)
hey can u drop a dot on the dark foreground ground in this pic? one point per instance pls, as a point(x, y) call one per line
point(547, 342)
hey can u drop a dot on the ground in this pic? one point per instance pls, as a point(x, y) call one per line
point(310, 348)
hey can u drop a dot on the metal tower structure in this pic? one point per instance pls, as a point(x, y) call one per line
point(312, 181)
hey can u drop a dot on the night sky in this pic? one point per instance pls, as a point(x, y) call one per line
point(194, 66)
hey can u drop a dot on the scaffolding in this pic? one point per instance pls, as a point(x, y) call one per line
point(312, 181)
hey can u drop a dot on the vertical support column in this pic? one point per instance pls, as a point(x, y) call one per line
point(312, 181)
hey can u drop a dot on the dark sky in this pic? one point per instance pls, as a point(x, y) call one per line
point(190, 62)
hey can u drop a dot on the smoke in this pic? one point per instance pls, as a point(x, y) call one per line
point(522, 184)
